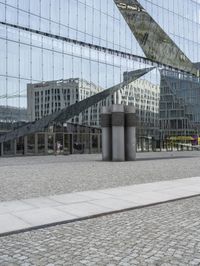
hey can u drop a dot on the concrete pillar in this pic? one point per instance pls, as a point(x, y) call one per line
point(118, 151)
point(71, 143)
point(14, 147)
point(54, 143)
point(106, 133)
point(119, 97)
point(2, 150)
point(46, 143)
point(25, 145)
point(115, 98)
point(99, 143)
point(63, 143)
point(142, 144)
point(36, 144)
point(90, 142)
point(130, 133)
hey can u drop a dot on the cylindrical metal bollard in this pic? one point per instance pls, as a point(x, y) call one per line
point(118, 153)
point(106, 133)
point(130, 133)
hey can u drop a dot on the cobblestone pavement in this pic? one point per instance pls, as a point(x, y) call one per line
point(162, 235)
point(26, 177)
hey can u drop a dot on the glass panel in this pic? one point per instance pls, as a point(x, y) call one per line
point(2, 57)
point(2, 12)
point(23, 19)
point(12, 2)
point(13, 93)
point(25, 4)
point(37, 63)
point(55, 10)
point(3, 91)
point(11, 15)
point(25, 61)
point(58, 66)
point(45, 9)
point(35, 6)
point(13, 58)
point(47, 65)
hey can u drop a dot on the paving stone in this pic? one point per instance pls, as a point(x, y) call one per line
point(37, 176)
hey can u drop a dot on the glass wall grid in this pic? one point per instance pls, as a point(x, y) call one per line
point(27, 57)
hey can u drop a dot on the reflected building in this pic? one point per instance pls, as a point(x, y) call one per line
point(49, 97)
point(96, 42)
point(179, 104)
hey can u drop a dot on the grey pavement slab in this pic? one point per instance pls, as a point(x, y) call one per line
point(114, 204)
point(84, 209)
point(148, 197)
point(9, 222)
point(41, 202)
point(43, 216)
point(17, 205)
point(69, 198)
point(95, 194)
point(30, 213)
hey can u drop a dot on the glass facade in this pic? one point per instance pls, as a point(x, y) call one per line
point(48, 40)
point(28, 57)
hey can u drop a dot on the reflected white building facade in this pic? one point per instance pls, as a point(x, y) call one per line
point(49, 97)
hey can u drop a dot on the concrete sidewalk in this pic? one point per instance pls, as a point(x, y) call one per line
point(33, 213)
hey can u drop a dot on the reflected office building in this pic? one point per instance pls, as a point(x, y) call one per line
point(44, 44)
point(179, 104)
